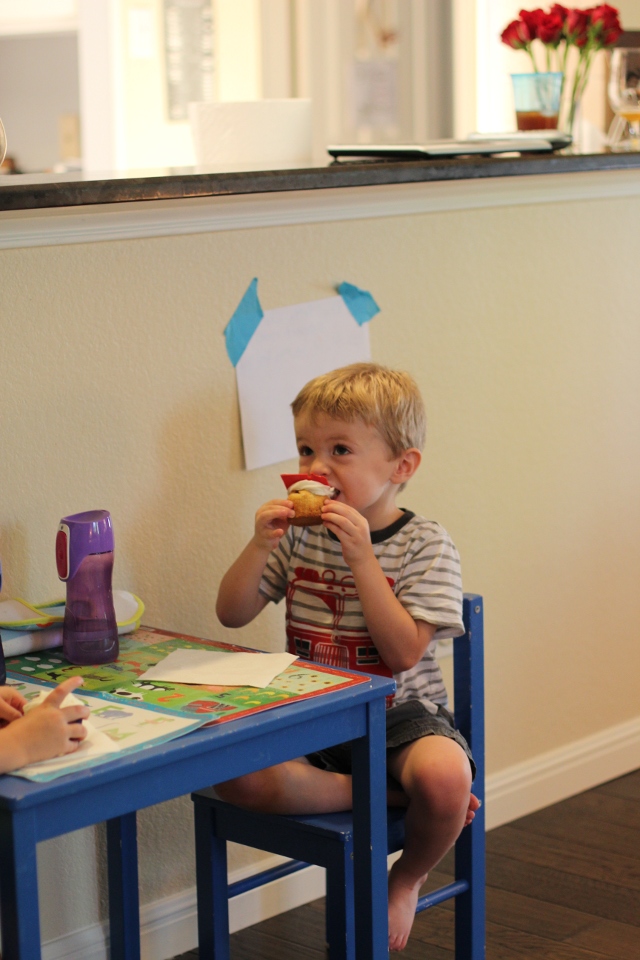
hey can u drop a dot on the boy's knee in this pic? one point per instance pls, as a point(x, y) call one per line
point(444, 785)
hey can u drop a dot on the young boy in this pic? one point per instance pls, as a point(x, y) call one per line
point(371, 588)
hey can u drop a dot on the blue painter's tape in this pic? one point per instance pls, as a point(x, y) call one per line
point(243, 323)
point(359, 302)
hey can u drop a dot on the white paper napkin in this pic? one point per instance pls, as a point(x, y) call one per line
point(220, 668)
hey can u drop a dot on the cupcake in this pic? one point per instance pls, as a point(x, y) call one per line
point(307, 493)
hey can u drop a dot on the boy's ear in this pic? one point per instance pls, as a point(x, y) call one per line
point(406, 465)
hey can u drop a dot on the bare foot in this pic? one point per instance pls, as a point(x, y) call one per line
point(403, 897)
point(474, 803)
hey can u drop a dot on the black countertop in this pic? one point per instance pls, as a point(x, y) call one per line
point(37, 191)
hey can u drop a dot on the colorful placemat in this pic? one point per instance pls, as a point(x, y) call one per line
point(119, 681)
point(114, 729)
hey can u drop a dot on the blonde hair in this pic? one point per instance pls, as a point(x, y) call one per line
point(388, 400)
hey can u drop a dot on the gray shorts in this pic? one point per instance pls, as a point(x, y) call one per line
point(406, 722)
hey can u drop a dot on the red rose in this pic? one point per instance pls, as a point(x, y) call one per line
point(559, 11)
point(550, 29)
point(516, 34)
point(606, 25)
point(608, 15)
point(533, 20)
point(577, 27)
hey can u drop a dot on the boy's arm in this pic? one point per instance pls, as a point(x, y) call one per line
point(400, 640)
point(239, 601)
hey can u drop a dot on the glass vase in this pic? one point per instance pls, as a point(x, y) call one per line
point(572, 122)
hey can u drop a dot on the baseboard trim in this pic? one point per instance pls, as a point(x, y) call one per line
point(553, 776)
point(168, 926)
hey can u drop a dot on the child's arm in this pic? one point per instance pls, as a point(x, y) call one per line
point(400, 640)
point(46, 731)
point(239, 601)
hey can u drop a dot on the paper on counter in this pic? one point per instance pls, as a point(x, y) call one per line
point(219, 668)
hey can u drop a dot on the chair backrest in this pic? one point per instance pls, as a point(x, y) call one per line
point(468, 682)
point(468, 693)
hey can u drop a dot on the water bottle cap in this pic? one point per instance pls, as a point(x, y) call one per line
point(80, 535)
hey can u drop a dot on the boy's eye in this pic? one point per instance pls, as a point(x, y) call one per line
point(339, 450)
point(304, 451)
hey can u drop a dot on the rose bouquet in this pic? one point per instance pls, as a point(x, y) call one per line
point(551, 34)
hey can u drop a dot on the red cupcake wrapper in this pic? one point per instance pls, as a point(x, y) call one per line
point(291, 478)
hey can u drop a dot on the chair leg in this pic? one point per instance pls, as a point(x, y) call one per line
point(212, 891)
point(470, 906)
point(470, 846)
point(337, 857)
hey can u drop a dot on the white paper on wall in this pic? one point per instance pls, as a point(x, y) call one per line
point(289, 347)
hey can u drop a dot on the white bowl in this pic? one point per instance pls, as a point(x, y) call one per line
point(264, 132)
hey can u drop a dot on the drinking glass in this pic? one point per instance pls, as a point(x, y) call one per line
point(3, 142)
point(624, 95)
point(536, 97)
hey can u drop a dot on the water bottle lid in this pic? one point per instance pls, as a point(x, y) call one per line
point(80, 535)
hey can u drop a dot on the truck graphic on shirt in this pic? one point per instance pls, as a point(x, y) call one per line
point(330, 642)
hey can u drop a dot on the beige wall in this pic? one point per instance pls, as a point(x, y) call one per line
point(521, 326)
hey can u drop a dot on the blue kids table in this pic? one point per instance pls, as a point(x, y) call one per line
point(31, 812)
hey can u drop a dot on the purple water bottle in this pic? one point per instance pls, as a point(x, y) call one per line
point(84, 557)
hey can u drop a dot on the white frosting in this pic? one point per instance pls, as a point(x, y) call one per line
point(312, 486)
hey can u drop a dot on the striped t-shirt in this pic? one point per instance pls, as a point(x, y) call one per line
point(324, 617)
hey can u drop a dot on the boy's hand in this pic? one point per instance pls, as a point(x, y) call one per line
point(351, 529)
point(272, 522)
point(11, 705)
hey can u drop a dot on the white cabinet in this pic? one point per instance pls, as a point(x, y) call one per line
point(37, 16)
point(39, 86)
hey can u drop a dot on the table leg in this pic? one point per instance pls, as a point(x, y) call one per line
point(211, 877)
point(370, 837)
point(124, 905)
point(19, 913)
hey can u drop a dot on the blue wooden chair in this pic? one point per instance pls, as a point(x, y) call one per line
point(327, 839)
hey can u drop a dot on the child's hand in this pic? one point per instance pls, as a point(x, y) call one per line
point(46, 731)
point(351, 529)
point(11, 705)
point(272, 522)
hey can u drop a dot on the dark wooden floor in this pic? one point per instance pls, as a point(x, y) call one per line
point(562, 884)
